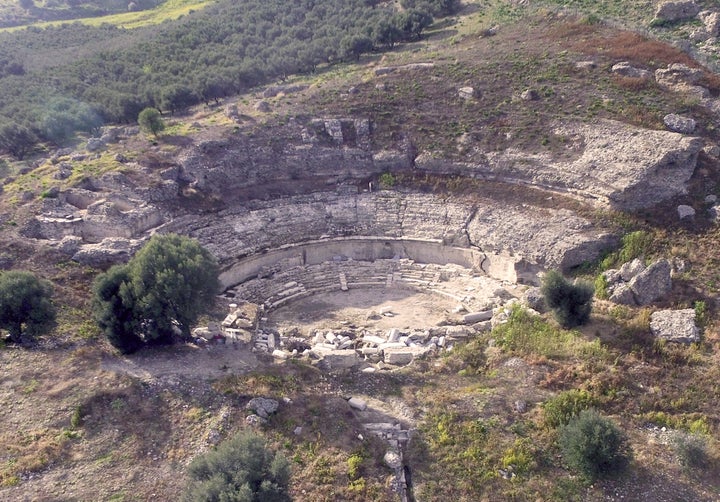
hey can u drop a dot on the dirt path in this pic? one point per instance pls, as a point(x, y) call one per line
point(188, 361)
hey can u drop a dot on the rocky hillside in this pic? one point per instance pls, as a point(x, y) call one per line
point(383, 218)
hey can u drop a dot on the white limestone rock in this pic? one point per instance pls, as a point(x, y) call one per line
point(677, 11)
point(675, 325)
point(652, 283)
point(357, 403)
point(262, 406)
point(625, 69)
point(631, 269)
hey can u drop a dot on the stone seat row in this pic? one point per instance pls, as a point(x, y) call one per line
point(303, 281)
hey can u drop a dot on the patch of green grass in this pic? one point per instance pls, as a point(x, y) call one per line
point(167, 11)
point(463, 445)
point(387, 180)
point(634, 245)
point(694, 423)
point(31, 386)
point(526, 334)
point(520, 457)
point(76, 419)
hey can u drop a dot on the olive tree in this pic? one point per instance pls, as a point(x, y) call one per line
point(571, 303)
point(158, 295)
point(151, 121)
point(25, 305)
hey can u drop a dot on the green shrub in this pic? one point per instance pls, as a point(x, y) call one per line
point(26, 308)
point(387, 180)
point(158, 295)
point(593, 445)
point(354, 466)
point(76, 419)
point(151, 121)
point(634, 245)
point(571, 303)
point(240, 469)
point(601, 287)
point(701, 313)
point(520, 456)
point(691, 449)
point(559, 410)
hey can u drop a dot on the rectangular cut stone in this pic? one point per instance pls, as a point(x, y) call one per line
point(474, 317)
point(374, 340)
point(393, 335)
point(398, 356)
point(393, 345)
point(341, 359)
point(357, 403)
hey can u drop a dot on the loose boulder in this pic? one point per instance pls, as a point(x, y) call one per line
point(685, 212)
point(262, 406)
point(676, 11)
point(534, 299)
point(94, 144)
point(625, 69)
point(652, 283)
point(466, 92)
point(623, 295)
point(678, 123)
point(630, 269)
point(711, 20)
point(675, 326)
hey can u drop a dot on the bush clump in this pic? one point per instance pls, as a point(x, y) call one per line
point(593, 445)
point(571, 303)
point(158, 295)
point(562, 408)
point(26, 308)
point(691, 449)
point(241, 469)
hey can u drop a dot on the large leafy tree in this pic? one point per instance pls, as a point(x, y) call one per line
point(25, 305)
point(158, 295)
point(17, 139)
point(242, 469)
point(114, 309)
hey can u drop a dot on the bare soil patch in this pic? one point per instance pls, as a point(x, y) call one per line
point(364, 308)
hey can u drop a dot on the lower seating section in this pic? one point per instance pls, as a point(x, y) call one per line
point(302, 281)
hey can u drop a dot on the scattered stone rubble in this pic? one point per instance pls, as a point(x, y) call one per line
point(373, 350)
point(261, 408)
point(394, 432)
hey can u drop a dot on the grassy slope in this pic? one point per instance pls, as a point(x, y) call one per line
point(120, 447)
point(167, 11)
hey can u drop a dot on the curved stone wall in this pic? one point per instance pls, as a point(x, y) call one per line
point(370, 249)
point(508, 241)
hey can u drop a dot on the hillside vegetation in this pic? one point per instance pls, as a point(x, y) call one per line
point(504, 416)
point(79, 75)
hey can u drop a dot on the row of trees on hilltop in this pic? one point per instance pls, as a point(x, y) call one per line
point(222, 50)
